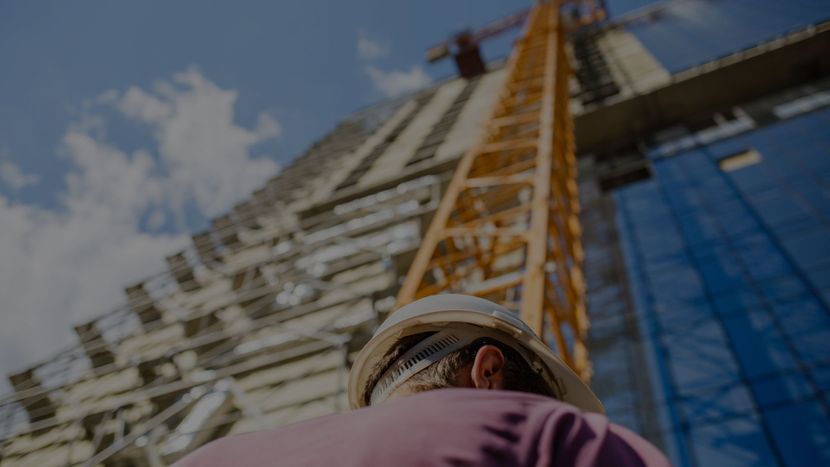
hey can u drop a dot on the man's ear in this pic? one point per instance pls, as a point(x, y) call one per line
point(486, 372)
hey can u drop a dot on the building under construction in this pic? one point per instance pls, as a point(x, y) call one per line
point(694, 227)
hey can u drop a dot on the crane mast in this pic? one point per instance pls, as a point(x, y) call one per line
point(507, 227)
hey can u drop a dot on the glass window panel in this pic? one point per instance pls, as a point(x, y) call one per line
point(807, 323)
point(646, 208)
point(699, 228)
point(762, 258)
point(822, 377)
point(735, 442)
point(759, 345)
point(801, 432)
point(814, 157)
point(778, 206)
point(679, 317)
point(814, 195)
point(809, 248)
point(668, 303)
point(754, 178)
point(720, 271)
point(674, 281)
point(734, 218)
point(700, 357)
point(783, 291)
point(657, 248)
point(683, 200)
point(707, 405)
point(737, 301)
point(796, 225)
point(778, 389)
point(819, 277)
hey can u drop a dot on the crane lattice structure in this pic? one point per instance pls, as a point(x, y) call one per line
point(508, 227)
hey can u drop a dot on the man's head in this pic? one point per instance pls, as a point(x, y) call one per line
point(460, 341)
point(486, 363)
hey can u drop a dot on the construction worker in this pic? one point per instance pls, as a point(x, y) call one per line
point(450, 380)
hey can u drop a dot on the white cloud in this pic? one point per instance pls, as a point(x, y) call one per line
point(59, 267)
point(368, 49)
point(391, 83)
point(397, 82)
point(206, 154)
point(138, 104)
point(12, 176)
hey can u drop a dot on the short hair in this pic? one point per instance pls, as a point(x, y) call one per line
point(518, 375)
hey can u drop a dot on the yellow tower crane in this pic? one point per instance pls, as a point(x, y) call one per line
point(507, 228)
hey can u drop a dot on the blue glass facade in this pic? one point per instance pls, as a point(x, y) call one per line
point(690, 32)
point(730, 273)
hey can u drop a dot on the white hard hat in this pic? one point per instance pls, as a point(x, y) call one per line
point(457, 320)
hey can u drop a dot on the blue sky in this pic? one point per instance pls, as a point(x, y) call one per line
point(125, 126)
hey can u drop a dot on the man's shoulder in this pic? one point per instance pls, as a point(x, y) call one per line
point(435, 409)
point(499, 424)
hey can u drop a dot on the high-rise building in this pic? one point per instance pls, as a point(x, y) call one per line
point(703, 133)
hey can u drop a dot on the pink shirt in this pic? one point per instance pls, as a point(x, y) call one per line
point(448, 427)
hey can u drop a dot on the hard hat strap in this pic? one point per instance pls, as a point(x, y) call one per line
point(419, 357)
